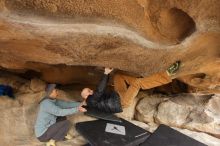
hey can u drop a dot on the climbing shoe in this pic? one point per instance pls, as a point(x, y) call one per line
point(68, 137)
point(173, 68)
point(51, 143)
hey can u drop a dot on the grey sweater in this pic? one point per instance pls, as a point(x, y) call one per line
point(49, 110)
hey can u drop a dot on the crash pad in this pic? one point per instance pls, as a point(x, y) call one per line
point(166, 136)
point(102, 115)
point(108, 133)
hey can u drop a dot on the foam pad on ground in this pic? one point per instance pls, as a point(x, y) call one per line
point(108, 133)
point(166, 136)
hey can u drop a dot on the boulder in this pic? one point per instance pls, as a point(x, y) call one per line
point(191, 111)
point(147, 107)
point(172, 113)
point(37, 85)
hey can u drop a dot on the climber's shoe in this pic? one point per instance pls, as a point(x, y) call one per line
point(51, 143)
point(68, 137)
point(173, 68)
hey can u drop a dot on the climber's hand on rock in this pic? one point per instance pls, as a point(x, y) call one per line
point(108, 70)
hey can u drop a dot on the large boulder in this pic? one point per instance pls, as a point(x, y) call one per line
point(138, 36)
point(212, 108)
point(184, 110)
point(172, 113)
point(37, 85)
point(147, 107)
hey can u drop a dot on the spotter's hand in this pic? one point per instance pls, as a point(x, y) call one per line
point(82, 109)
point(108, 70)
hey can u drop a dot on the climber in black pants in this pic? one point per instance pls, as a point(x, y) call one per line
point(101, 99)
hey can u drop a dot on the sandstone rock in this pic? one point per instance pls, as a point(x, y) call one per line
point(12, 80)
point(203, 82)
point(69, 96)
point(147, 108)
point(139, 36)
point(6, 102)
point(19, 124)
point(37, 85)
point(172, 114)
point(212, 108)
point(33, 98)
point(186, 99)
point(180, 112)
point(25, 88)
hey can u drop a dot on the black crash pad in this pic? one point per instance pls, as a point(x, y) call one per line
point(101, 115)
point(108, 133)
point(166, 136)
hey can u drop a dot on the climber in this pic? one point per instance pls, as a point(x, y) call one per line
point(51, 124)
point(128, 86)
point(100, 99)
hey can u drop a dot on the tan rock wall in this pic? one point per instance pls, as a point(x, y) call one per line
point(142, 37)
